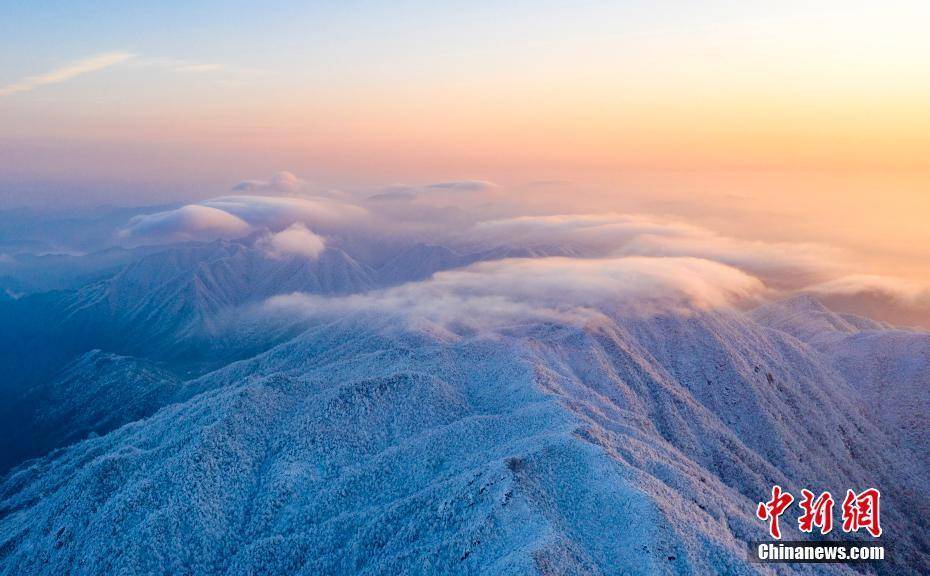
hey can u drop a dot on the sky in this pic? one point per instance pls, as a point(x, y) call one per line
point(788, 120)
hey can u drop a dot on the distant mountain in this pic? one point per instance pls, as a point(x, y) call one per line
point(166, 306)
point(502, 252)
point(72, 229)
point(420, 262)
point(30, 273)
point(181, 291)
point(93, 395)
point(630, 445)
point(174, 304)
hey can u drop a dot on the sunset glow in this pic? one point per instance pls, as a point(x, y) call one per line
point(449, 288)
point(760, 109)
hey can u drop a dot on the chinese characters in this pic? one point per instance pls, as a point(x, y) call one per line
point(859, 511)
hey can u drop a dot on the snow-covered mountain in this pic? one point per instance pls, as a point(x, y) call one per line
point(96, 393)
point(166, 306)
point(181, 291)
point(888, 367)
point(175, 303)
point(421, 408)
point(419, 262)
point(627, 445)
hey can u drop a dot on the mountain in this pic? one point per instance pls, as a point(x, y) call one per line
point(419, 262)
point(93, 395)
point(27, 273)
point(169, 306)
point(541, 251)
point(181, 304)
point(72, 229)
point(888, 367)
point(626, 445)
point(180, 292)
point(807, 319)
point(177, 309)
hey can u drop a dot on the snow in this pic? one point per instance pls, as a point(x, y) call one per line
point(544, 449)
point(626, 444)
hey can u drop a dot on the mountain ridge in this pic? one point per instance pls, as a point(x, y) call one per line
point(565, 424)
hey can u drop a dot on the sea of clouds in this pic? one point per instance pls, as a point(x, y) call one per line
point(653, 260)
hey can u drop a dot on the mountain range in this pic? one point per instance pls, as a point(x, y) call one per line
point(157, 422)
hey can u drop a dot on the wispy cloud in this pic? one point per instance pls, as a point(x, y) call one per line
point(79, 68)
point(176, 65)
point(106, 60)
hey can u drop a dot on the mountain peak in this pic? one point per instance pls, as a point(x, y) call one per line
point(803, 316)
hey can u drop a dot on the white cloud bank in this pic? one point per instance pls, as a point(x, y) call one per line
point(895, 300)
point(782, 265)
point(452, 190)
point(188, 223)
point(491, 294)
point(278, 212)
point(687, 266)
point(236, 216)
point(283, 182)
point(295, 240)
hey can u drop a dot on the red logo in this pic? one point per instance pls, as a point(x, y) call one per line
point(774, 508)
point(859, 511)
point(817, 512)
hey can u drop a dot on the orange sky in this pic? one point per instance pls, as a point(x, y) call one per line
point(774, 120)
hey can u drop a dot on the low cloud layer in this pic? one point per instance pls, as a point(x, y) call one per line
point(781, 265)
point(661, 263)
point(295, 240)
point(435, 190)
point(893, 300)
point(437, 209)
point(491, 294)
point(278, 212)
point(283, 182)
point(188, 223)
point(236, 216)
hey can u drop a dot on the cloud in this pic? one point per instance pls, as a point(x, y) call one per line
point(283, 182)
point(277, 212)
point(493, 294)
point(176, 65)
point(79, 68)
point(236, 216)
point(587, 232)
point(438, 209)
point(783, 265)
point(188, 223)
point(295, 240)
point(895, 300)
point(437, 189)
point(463, 186)
point(455, 194)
